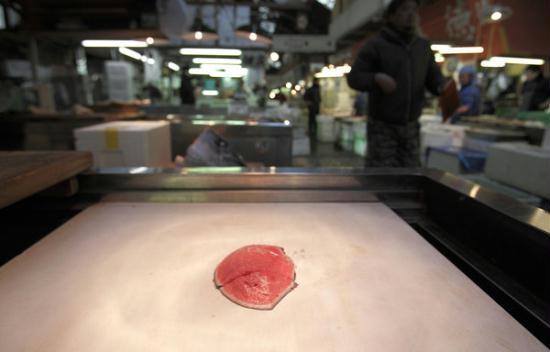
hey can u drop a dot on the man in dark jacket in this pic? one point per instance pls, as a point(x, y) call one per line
point(535, 91)
point(312, 97)
point(396, 67)
point(187, 90)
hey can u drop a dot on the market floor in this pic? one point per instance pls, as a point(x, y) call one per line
point(326, 155)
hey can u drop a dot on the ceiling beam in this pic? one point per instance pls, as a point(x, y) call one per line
point(296, 6)
point(81, 11)
point(80, 35)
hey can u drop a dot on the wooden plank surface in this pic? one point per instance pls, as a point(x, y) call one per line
point(25, 173)
point(138, 277)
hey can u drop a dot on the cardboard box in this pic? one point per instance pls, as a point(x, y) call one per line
point(127, 143)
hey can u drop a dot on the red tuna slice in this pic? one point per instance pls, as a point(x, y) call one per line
point(256, 276)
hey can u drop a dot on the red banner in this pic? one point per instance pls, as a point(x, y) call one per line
point(526, 31)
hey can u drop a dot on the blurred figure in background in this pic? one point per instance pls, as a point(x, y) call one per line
point(470, 94)
point(535, 92)
point(152, 92)
point(396, 67)
point(497, 85)
point(312, 97)
point(281, 98)
point(187, 91)
point(240, 93)
point(260, 91)
point(360, 104)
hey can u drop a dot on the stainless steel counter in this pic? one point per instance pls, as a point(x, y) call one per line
point(268, 143)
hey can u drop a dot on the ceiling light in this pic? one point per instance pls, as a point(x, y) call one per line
point(345, 69)
point(272, 95)
point(288, 85)
point(200, 71)
point(329, 74)
point(334, 72)
point(494, 12)
point(129, 52)
point(205, 60)
point(210, 93)
point(297, 88)
point(113, 43)
point(293, 92)
point(211, 52)
point(496, 16)
point(438, 47)
point(462, 50)
point(221, 67)
point(151, 61)
point(492, 63)
point(257, 35)
point(221, 74)
point(150, 40)
point(138, 170)
point(238, 73)
point(199, 30)
point(233, 69)
point(518, 60)
point(173, 66)
point(274, 56)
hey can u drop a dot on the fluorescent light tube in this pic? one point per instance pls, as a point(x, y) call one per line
point(173, 66)
point(518, 60)
point(462, 50)
point(113, 43)
point(437, 47)
point(210, 52)
point(492, 63)
point(130, 53)
point(205, 60)
point(210, 93)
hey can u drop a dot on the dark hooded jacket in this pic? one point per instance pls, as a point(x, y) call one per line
point(410, 62)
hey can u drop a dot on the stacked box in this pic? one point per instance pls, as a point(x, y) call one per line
point(127, 143)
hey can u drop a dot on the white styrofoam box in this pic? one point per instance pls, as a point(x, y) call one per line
point(444, 161)
point(120, 84)
point(346, 135)
point(360, 147)
point(360, 129)
point(546, 141)
point(298, 132)
point(127, 143)
point(442, 135)
point(477, 144)
point(301, 146)
point(360, 137)
point(325, 128)
point(520, 165)
point(429, 119)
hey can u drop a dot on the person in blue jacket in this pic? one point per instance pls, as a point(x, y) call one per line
point(470, 94)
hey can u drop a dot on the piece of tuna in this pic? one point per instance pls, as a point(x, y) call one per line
point(256, 276)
